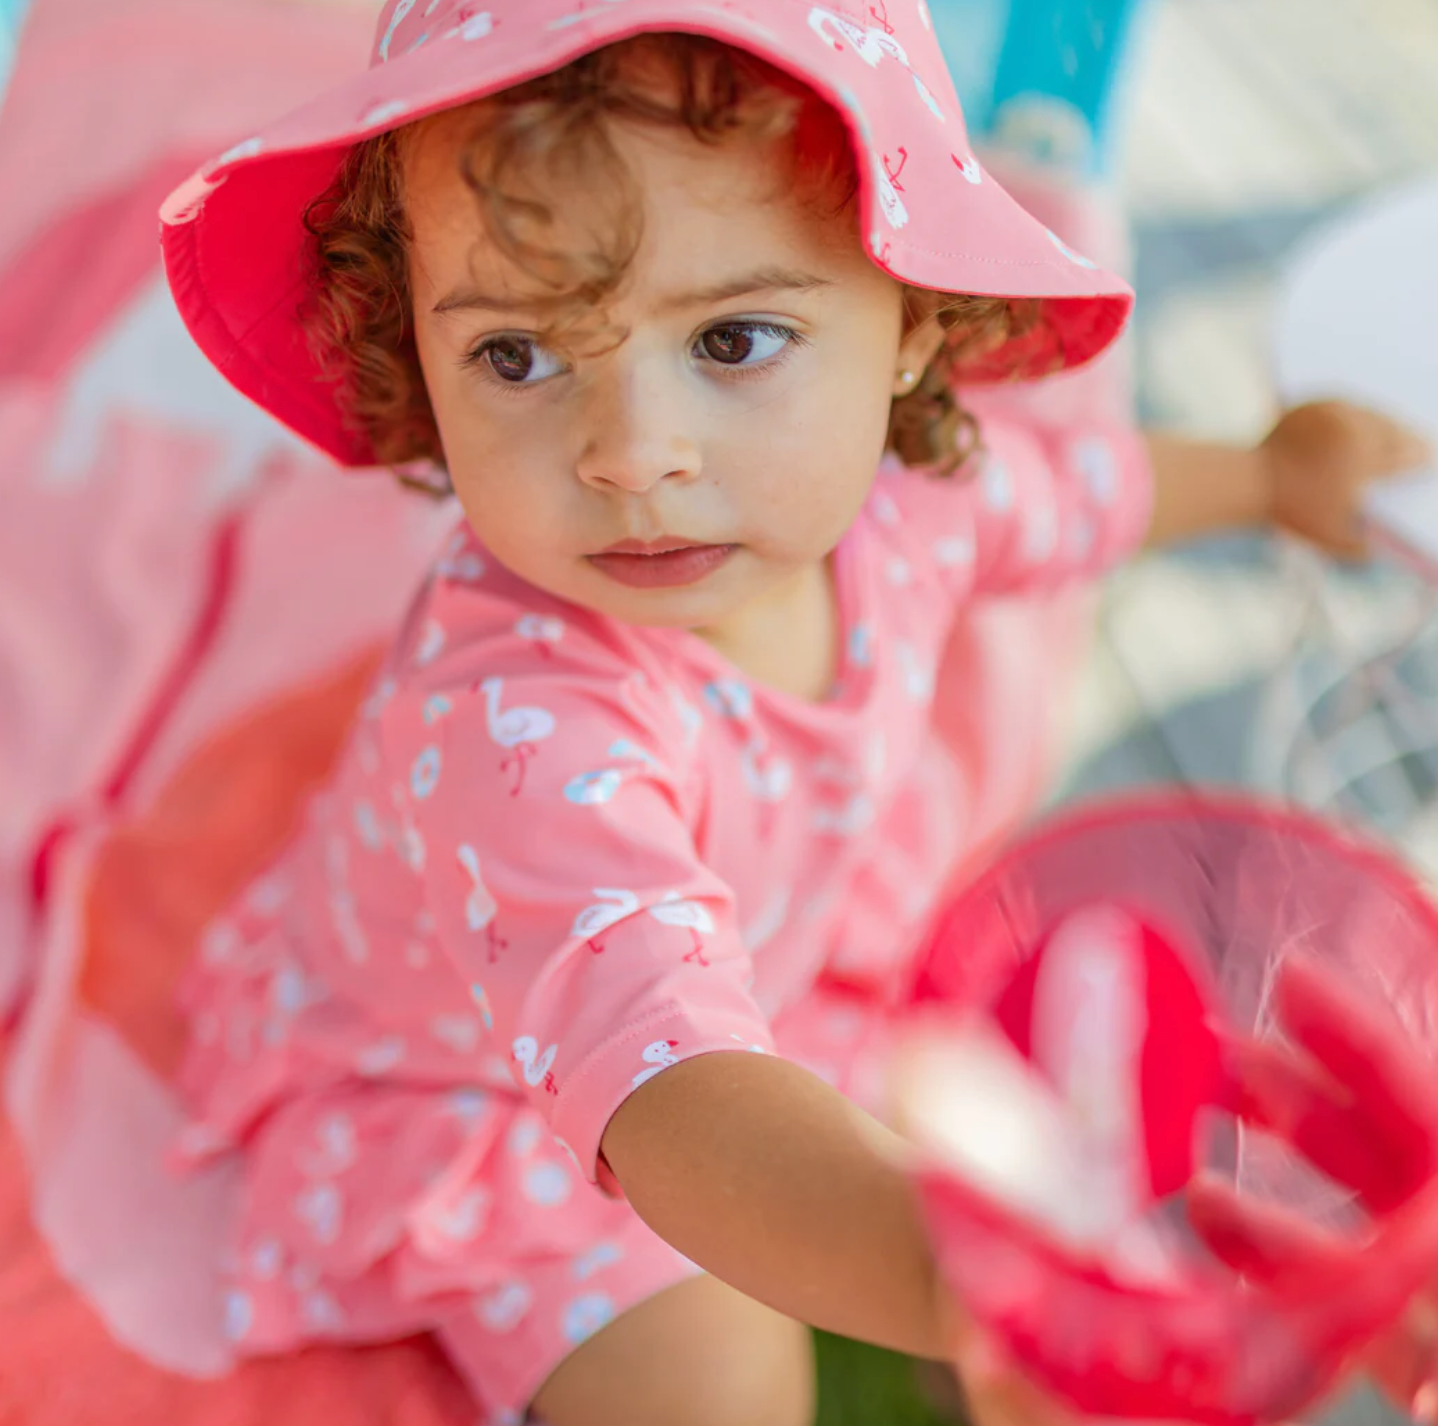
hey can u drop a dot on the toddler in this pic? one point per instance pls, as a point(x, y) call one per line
point(559, 1028)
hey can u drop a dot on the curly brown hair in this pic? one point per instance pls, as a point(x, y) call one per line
point(554, 127)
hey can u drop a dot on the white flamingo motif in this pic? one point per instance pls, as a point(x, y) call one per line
point(461, 1221)
point(431, 644)
point(542, 631)
point(691, 720)
point(477, 27)
point(854, 817)
point(768, 777)
point(460, 563)
point(384, 112)
point(871, 43)
point(517, 729)
point(918, 676)
point(1078, 259)
point(401, 14)
point(955, 551)
point(895, 213)
point(612, 908)
point(632, 752)
point(534, 1066)
point(674, 911)
point(730, 699)
point(424, 775)
point(480, 997)
point(336, 1148)
point(321, 1208)
point(969, 167)
point(594, 789)
point(659, 1056)
point(480, 907)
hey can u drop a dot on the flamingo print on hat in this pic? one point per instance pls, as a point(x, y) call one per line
point(612, 908)
point(659, 1057)
point(674, 911)
point(534, 1066)
point(872, 44)
point(517, 729)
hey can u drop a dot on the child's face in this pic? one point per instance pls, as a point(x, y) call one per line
point(746, 410)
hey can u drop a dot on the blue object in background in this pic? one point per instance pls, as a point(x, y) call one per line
point(1040, 77)
point(11, 13)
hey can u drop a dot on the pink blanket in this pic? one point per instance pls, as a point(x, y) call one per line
point(189, 604)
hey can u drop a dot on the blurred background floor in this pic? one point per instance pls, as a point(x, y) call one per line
point(1250, 124)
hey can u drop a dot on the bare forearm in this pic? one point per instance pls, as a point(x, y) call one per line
point(1204, 489)
point(775, 1183)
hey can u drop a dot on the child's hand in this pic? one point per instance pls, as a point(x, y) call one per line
point(1321, 458)
point(1362, 1107)
point(995, 1394)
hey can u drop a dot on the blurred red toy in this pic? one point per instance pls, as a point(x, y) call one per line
point(1185, 1166)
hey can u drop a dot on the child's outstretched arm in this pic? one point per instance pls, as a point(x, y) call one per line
point(1308, 477)
point(778, 1185)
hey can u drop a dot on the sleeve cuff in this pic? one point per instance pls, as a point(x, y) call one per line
point(641, 1051)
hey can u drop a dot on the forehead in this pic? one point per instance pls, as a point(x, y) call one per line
point(699, 202)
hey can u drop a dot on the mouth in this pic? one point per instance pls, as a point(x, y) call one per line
point(660, 564)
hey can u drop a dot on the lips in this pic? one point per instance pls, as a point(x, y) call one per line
point(660, 564)
point(656, 547)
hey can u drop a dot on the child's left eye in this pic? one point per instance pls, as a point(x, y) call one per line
point(744, 343)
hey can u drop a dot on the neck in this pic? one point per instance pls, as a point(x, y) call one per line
point(787, 638)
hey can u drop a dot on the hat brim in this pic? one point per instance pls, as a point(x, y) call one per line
point(239, 257)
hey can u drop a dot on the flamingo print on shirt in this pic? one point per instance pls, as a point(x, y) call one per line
point(543, 631)
point(594, 789)
point(517, 729)
point(674, 911)
point(768, 777)
point(612, 908)
point(480, 907)
point(659, 1057)
point(535, 1067)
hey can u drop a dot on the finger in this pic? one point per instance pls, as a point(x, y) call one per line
point(1363, 1046)
point(1404, 1363)
point(1407, 449)
point(1385, 1086)
point(1260, 1241)
point(1298, 1102)
point(997, 1394)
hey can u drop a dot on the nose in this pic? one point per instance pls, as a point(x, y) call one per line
point(636, 430)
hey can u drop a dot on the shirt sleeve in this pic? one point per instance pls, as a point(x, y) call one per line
point(565, 884)
point(1039, 508)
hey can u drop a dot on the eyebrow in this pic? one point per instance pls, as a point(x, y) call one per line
point(749, 284)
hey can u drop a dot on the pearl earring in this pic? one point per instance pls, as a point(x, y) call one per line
point(907, 381)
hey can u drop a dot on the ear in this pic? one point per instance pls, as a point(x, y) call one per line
point(919, 347)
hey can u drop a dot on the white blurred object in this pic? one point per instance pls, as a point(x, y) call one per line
point(1060, 1141)
point(1349, 726)
point(1358, 318)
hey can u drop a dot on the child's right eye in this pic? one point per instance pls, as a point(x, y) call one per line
point(516, 361)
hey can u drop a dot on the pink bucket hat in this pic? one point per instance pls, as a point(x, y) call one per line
point(238, 254)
